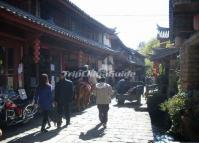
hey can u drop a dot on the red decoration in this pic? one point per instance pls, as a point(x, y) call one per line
point(155, 70)
point(36, 53)
point(196, 22)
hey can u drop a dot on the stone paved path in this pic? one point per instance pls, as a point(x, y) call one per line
point(127, 123)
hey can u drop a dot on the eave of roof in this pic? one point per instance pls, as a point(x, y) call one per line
point(136, 52)
point(121, 57)
point(160, 28)
point(123, 46)
point(163, 52)
point(80, 12)
point(129, 50)
point(52, 27)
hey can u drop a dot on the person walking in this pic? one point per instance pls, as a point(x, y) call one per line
point(64, 92)
point(44, 99)
point(103, 92)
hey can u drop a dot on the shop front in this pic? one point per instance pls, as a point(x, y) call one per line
point(11, 68)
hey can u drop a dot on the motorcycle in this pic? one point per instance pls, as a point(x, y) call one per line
point(14, 110)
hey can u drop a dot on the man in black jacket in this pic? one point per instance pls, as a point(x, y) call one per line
point(64, 92)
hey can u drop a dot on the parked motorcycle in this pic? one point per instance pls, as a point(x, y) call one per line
point(14, 110)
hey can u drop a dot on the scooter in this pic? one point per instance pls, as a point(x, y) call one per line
point(15, 111)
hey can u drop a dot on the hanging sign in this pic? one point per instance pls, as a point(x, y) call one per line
point(20, 68)
point(52, 67)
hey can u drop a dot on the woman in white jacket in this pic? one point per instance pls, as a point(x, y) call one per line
point(103, 92)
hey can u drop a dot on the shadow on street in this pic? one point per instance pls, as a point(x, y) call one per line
point(137, 107)
point(128, 105)
point(93, 133)
point(11, 131)
point(36, 137)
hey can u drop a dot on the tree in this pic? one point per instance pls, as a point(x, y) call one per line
point(146, 49)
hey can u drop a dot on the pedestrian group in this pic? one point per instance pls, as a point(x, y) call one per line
point(53, 108)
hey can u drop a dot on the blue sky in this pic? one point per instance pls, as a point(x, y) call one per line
point(135, 20)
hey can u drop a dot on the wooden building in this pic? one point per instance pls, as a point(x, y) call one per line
point(163, 35)
point(127, 59)
point(165, 67)
point(46, 37)
point(184, 26)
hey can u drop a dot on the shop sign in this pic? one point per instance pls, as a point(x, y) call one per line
point(33, 82)
point(52, 67)
point(22, 94)
point(20, 68)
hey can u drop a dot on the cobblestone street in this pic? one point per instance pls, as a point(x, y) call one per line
point(127, 123)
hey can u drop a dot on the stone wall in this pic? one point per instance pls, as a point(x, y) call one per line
point(189, 63)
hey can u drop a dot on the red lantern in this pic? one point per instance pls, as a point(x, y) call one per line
point(196, 22)
point(36, 59)
point(155, 69)
point(36, 50)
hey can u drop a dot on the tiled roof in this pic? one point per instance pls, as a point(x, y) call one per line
point(129, 51)
point(88, 17)
point(163, 32)
point(52, 27)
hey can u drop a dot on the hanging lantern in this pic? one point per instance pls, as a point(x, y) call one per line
point(36, 53)
point(196, 22)
point(155, 69)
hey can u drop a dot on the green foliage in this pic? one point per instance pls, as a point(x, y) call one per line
point(175, 107)
point(169, 44)
point(154, 101)
point(161, 69)
point(158, 117)
point(149, 66)
point(146, 49)
point(182, 104)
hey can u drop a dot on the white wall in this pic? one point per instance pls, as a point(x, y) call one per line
point(107, 41)
point(105, 64)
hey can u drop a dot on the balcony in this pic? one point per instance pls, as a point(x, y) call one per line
point(50, 26)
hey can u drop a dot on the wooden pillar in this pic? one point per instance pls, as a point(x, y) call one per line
point(61, 62)
point(16, 61)
point(21, 67)
point(37, 10)
point(178, 41)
